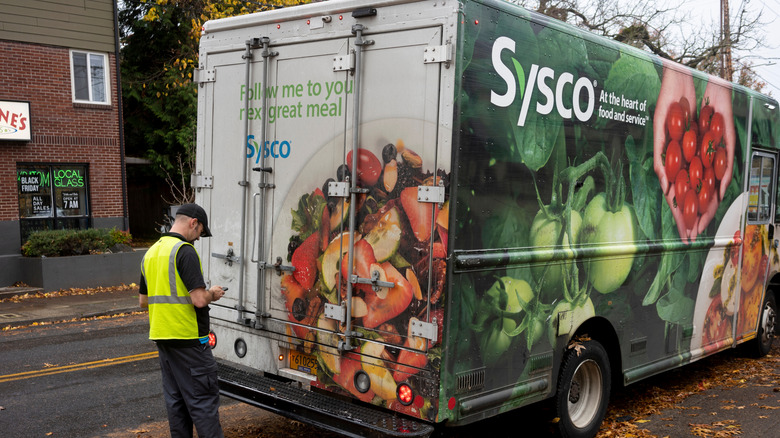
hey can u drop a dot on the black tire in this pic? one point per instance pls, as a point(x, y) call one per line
point(767, 324)
point(584, 385)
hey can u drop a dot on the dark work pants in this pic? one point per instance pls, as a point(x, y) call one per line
point(189, 376)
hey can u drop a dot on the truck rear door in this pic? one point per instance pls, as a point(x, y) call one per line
point(393, 99)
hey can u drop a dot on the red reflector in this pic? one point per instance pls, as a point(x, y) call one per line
point(405, 395)
point(476, 21)
point(451, 403)
point(419, 402)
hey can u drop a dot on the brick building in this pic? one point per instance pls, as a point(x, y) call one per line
point(61, 146)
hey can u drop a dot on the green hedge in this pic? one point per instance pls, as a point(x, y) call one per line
point(56, 243)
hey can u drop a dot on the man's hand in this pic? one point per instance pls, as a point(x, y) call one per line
point(201, 297)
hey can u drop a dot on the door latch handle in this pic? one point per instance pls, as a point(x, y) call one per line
point(281, 268)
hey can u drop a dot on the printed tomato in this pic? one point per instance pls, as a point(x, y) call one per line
point(717, 126)
point(695, 173)
point(579, 314)
point(675, 121)
point(705, 196)
point(600, 227)
point(546, 233)
point(705, 118)
point(681, 186)
point(689, 145)
point(690, 209)
point(719, 163)
point(369, 167)
point(686, 109)
point(707, 149)
point(673, 160)
point(709, 178)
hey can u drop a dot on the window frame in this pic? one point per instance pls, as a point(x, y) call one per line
point(55, 220)
point(106, 76)
point(768, 216)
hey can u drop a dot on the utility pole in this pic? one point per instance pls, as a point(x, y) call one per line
point(726, 69)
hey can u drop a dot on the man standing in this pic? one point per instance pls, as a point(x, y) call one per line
point(173, 288)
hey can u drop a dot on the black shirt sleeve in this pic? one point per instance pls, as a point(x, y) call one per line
point(142, 286)
point(188, 265)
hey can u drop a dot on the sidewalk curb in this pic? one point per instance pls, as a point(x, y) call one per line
point(41, 321)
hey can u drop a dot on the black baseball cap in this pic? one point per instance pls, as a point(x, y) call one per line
point(197, 212)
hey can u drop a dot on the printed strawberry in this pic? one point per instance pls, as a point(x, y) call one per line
point(304, 260)
point(393, 304)
point(418, 213)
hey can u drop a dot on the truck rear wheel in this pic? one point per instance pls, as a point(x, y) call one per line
point(767, 324)
point(583, 390)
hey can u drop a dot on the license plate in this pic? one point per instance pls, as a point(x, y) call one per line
point(303, 362)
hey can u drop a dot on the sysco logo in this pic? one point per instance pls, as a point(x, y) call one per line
point(275, 149)
point(542, 78)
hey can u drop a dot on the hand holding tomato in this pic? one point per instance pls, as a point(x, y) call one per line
point(718, 94)
point(717, 116)
point(676, 87)
point(671, 114)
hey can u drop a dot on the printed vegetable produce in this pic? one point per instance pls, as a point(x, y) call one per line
point(393, 240)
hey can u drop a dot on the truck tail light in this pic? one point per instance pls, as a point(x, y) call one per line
point(405, 394)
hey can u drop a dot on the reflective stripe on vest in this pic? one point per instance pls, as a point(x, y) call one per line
point(174, 297)
point(171, 312)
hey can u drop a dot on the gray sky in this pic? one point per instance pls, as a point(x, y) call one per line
point(708, 11)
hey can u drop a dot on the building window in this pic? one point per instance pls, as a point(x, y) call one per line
point(52, 197)
point(89, 72)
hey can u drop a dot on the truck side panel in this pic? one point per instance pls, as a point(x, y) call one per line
point(567, 224)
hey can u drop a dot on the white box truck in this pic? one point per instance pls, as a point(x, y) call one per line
point(432, 212)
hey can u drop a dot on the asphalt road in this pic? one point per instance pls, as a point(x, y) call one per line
point(78, 379)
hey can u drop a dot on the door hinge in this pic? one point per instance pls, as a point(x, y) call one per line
point(344, 62)
point(198, 181)
point(422, 329)
point(431, 194)
point(436, 54)
point(338, 189)
point(201, 76)
point(335, 311)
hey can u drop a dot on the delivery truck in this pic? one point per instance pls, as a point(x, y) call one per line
point(433, 212)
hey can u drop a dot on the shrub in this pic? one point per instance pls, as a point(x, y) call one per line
point(119, 236)
point(55, 243)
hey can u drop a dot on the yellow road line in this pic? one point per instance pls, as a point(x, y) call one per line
point(77, 367)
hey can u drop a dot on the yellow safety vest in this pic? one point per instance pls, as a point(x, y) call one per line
point(171, 312)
